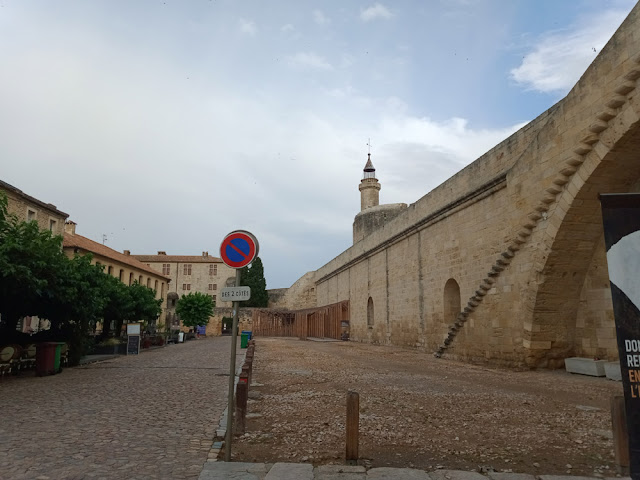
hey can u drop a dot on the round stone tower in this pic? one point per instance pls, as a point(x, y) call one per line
point(372, 215)
point(369, 187)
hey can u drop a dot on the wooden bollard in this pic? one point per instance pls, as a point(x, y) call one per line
point(242, 394)
point(620, 434)
point(246, 370)
point(353, 427)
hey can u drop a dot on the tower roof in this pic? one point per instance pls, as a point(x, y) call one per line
point(369, 166)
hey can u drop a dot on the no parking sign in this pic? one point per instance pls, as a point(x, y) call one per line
point(239, 249)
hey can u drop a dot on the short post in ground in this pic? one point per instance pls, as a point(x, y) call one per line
point(353, 427)
point(620, 434)
point(242, 394)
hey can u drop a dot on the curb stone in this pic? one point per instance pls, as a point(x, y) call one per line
point(306, 471)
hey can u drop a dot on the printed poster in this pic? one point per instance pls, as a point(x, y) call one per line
point(621, 219)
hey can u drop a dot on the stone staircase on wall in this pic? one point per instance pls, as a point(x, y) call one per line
point(600, 124)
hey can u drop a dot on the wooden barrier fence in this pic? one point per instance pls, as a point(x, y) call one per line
point(330, 321)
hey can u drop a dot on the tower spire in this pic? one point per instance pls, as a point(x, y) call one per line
point(369, 186)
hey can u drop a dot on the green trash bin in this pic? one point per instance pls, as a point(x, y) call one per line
point(244, 340)
point(48, 358)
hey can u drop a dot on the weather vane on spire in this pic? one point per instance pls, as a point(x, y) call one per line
point(369, 145)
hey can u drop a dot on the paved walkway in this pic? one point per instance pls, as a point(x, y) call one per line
point(151, 416)
point(305, 471)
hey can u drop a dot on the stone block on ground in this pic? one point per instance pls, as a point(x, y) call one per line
point(340, 472)
point(563, 477)
point(233, 471)
point(290, 471)
point(388, 473)
point(510, 476)
point(585, 366)
point(612, 371)
point(456, 475)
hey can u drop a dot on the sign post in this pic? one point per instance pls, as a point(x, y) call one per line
point(238, 249)
point(621, 219)
point(133, 338)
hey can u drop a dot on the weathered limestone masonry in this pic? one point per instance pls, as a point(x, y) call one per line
point(214, 327)
point(504, 262)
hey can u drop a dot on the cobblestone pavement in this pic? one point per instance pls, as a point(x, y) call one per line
point(151, 416)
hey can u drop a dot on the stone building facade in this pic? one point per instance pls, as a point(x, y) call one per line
point(27, 208)
point(505, 261)
point(120, 265)
point(190, 273)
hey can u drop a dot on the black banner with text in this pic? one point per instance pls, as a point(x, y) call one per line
point(621, 219)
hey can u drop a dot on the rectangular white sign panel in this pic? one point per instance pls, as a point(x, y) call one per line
point(235, 294)
point(133, 329)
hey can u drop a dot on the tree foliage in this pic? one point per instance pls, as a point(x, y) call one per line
point(253, 276)
point(37, 279)
point(195, 309)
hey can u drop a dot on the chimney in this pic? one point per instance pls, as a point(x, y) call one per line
point(127, 252)
point(70, 227)
point(205, 254)
point(161, 253)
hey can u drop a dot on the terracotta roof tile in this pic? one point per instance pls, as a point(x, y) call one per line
point(83, 243)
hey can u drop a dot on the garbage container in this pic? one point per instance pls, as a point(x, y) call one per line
point(48, 358)
point(249, 333)
point(244, 340)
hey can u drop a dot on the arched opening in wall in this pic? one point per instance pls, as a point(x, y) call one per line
point(370, 317)
point(451, 301)
point(564, 320)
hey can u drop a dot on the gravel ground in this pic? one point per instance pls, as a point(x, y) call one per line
point(422, 412)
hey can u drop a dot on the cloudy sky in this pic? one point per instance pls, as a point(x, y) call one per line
point(166, 124)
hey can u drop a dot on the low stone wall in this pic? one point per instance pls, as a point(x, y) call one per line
point(214, 328)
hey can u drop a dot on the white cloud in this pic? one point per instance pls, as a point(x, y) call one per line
point(374, 12)
point(320, 18)
point(248, 27)
point(309, 60)
point(287, 28)
point(559, 59)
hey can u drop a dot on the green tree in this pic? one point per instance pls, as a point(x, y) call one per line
point(253, 277)
point(195, 309)
point(146, 308)
point(30, 262)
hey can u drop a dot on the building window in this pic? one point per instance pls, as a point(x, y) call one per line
point(213, 270)
point(186, 286)
point(166, 269)
point(52, 225)
point(31, 215)
point(213, 297)
point(130, 278)
point(213, 286)
point(110, 270)
point(148, 282)
point(186, 269)
point(155, 287)
point(121, 276)
point(370, 312)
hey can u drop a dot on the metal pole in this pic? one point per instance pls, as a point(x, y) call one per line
point(232, 375)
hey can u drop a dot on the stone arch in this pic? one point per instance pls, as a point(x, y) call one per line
point(452, 305)
point(370, 313)
point(572, 238)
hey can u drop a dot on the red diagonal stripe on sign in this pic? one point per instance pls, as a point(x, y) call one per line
point(237, 250)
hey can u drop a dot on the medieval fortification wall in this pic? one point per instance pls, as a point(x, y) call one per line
point(504, 262)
